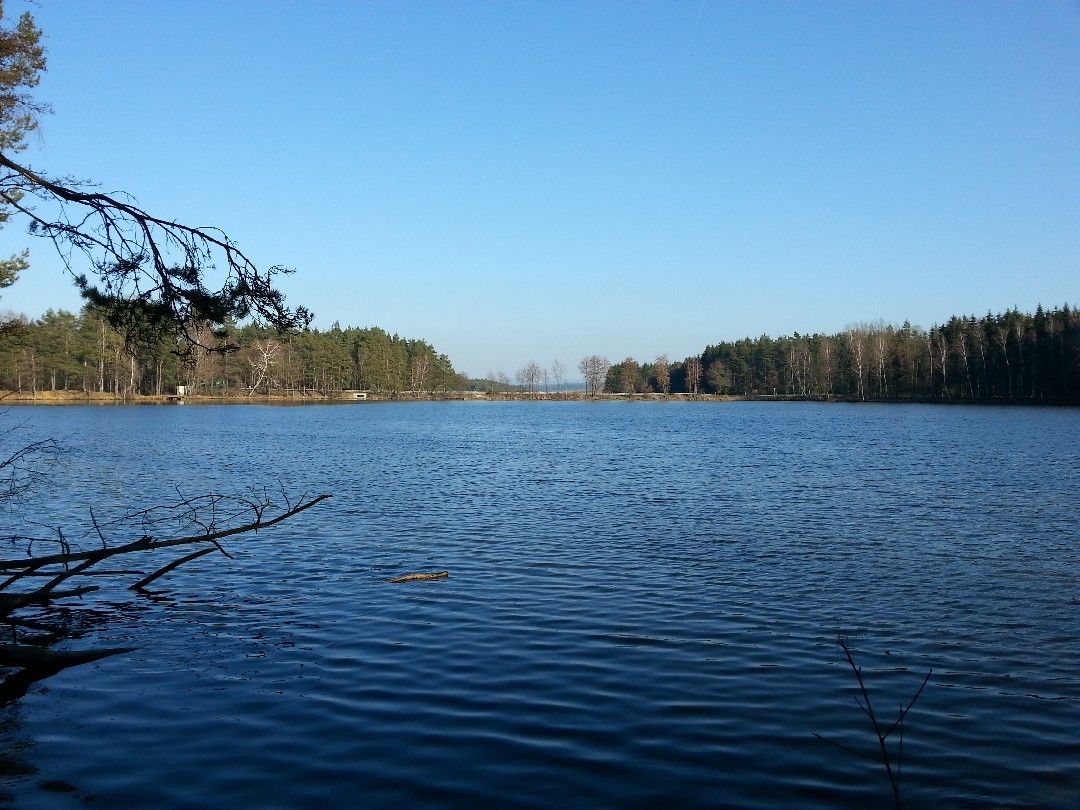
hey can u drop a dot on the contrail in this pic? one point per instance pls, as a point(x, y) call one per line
point(697, 19)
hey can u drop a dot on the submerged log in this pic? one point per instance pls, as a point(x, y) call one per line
point(419, 577)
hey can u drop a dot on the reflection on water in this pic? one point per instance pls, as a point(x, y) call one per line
point(642, 609)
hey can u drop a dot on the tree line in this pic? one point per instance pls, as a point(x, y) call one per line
point(64, 351)
point(1009, 357)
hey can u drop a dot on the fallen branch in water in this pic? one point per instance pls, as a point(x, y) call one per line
point(419, 577)
point(29, 564)
point(212, 517)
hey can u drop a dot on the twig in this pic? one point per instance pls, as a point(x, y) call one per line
point(37, 662)
point(202, 552)
point(149, 544)
point(862, 700)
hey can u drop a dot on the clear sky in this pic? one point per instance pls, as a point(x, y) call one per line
point(521, 181)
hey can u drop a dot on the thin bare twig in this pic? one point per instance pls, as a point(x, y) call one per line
point(202, 552)
point(147, 543)
point(58, 568)
point(862, 700)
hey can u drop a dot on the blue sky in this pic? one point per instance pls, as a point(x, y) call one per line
point(540, 180)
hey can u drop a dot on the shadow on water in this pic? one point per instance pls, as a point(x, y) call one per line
point(59, 625)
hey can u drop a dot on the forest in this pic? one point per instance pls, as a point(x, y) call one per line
point(1009, 357)
point(64, 351)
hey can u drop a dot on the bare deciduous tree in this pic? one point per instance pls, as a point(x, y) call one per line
point(529, 377)
point(881, 358)
point(535, 373)
point(419, 368)
point(856, 340)
point(939, 341)
point(594, 369)
point(827, 367)
point(693, 374)
point(264, 358)
point(558, 371)
point(962, 349)
point(662, 372)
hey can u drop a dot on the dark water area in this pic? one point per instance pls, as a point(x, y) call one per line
point(642, 609)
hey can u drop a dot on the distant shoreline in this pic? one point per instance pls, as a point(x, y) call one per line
point(294, 398)
point(60, 398)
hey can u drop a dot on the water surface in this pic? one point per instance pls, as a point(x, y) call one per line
point(642, 609)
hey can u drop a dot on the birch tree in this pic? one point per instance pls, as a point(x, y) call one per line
point(264, 359)
point(856, 341)
point(693, 374)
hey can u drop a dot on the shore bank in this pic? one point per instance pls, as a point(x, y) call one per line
point(299, 398)
point(304, 398)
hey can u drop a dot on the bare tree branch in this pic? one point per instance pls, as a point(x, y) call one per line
point(862, 700)
point(147, 543)
point(202, 552)
point(213, 515)
point(150, 271)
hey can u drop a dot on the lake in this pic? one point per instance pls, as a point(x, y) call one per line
point(642, 609)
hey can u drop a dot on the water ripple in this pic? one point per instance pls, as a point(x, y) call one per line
point(642, 610)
